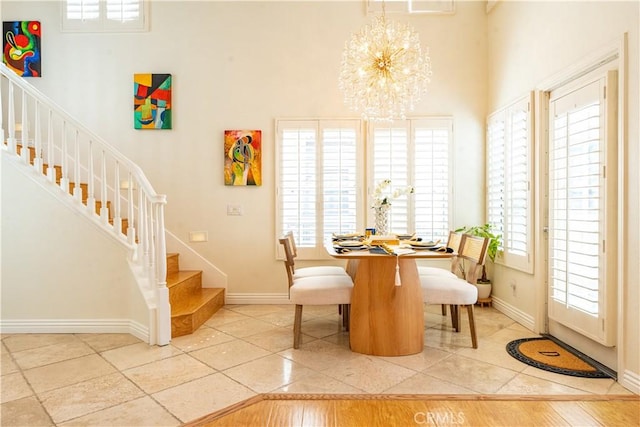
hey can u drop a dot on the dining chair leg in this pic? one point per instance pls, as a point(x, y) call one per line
point(455, 317)
point(444, 309)
point(347, 308)
point(472, 326)
point(297, 325)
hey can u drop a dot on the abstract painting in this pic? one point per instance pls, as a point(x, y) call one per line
point(152, 101)
point(242, 157)
point(21, 48)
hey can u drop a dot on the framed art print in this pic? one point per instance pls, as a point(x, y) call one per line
point(21, 47)
point(243, 157)
point(152, 101)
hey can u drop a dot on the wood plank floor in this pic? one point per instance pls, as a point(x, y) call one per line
point(284, 410)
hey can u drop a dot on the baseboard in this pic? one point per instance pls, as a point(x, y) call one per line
point(510, 311)
point(630, 381)
point(74, 326)
point(240, 298)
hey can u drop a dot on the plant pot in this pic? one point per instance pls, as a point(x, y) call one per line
point(484, 289)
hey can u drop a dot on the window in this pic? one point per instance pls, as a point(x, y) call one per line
point(509, 168)
point(321, 175)
point(411, 6)
point(415, 152)
point(318, 193)
point(105, 15)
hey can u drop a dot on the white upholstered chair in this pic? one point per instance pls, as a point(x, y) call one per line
point(315, 290)
point(457, 292)
point(454, 243)
point(323, 270)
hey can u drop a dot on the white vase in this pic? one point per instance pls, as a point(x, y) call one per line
point(382, 219)
point(484, 290)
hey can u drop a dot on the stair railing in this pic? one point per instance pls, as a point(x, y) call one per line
point(104, 183)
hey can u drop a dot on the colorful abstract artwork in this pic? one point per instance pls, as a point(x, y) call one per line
point(152, 101)
point(242, 157)
point(21, 47)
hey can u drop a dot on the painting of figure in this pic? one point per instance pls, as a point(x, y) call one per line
point(21, 47)
point(152, 101)
point(243, 157)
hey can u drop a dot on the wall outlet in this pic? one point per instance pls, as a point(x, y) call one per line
point(235, 210)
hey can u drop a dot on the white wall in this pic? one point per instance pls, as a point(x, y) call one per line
point(241, 65)
point(530, 42)
point(59, 271)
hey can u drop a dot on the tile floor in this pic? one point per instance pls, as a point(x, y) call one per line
point(244, 350)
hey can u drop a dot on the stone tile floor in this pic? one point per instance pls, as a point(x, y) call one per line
point(244, 350)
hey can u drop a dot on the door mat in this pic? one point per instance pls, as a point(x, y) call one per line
point(544, 353)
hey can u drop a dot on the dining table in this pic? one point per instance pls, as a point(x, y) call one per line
point(387, 309)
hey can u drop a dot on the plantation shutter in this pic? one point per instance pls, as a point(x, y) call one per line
point(509, 169)
point(318, 187)
point(105, 15)
point(581, 294)
point(415, 152)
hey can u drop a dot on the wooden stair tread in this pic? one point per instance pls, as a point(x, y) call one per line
point(193, 304)
point(174, 279)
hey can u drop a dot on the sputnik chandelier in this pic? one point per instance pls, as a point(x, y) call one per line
point(384, 72)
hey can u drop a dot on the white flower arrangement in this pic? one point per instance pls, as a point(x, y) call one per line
point(380, 199)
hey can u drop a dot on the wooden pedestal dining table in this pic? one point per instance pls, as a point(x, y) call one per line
point(387, 316)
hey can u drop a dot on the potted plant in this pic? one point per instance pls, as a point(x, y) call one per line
point(483, 283)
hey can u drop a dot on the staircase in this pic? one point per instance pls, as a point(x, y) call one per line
point(191, 304)
point(105, 186)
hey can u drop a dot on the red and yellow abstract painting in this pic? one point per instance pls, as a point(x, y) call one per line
point(152, 101)
point(21, 47)
point(242, 157)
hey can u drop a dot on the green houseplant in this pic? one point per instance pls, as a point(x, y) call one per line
point(484, 230)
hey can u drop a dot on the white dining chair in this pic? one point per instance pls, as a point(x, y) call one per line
point(453, 242)
point(322, 270)
point(457, 292)
point(315, 290)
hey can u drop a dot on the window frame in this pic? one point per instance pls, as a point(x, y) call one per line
point(505, 114)
point(102, 24)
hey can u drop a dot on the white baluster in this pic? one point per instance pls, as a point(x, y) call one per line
point(117, 219)
point(25, 154)
point(77, 188)
point(131, 230)
point(51, 170)
point(64, 181)
point(37, 161)
point(91, 196)
point(11, 118)
point(104, 211)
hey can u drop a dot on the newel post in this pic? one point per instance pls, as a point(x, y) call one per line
point(162, 292)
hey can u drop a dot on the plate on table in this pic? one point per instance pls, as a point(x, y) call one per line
point(423, 245)
point(348, 237)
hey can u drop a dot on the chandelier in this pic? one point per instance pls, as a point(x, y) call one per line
point(384, 72)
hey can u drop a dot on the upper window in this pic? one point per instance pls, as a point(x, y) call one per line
point(411, 6)
point(509, 153)
point(105, 15)
point(323, 182)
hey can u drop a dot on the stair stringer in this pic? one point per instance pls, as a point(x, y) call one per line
point(212, 276)
point(147, 305)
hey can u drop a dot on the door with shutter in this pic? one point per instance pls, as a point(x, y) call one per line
point(582, 217)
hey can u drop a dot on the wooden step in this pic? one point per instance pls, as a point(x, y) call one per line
point(183, 284)
point(188, 315)
point(173, 263)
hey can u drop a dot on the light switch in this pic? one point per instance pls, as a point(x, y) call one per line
point(235, 210)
